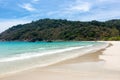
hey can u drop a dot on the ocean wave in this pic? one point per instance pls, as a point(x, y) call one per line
point(41, 48)
point(37, 54)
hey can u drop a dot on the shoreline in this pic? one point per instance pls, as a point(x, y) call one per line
point(84, 58)
point(99, 48)
point(91, 57)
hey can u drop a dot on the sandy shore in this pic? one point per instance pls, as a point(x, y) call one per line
point(101, 65)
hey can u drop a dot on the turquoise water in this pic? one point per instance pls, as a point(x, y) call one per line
point(8, 49)
point(22, 55)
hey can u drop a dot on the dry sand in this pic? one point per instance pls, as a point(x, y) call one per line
point(101, 65)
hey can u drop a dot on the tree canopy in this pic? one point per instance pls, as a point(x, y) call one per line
point(57, 29)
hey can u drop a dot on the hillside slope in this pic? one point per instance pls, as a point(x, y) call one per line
point(57, 29)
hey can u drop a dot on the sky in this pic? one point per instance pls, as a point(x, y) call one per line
point(13, 12)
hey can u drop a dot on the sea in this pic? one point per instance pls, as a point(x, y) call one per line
point(18, 56)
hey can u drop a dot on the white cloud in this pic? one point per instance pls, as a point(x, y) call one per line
point(109, 1)
point(35, 0)
point(79, 7)
point(5, 24)
point(103, 15)
point(71, 8)
point(88, 10)
point(28, 7)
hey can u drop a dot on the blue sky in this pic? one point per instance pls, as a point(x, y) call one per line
point(13, 12)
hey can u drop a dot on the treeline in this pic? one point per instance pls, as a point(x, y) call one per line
point(57, 29)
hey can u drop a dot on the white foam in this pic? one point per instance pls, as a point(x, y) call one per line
point(11, 65)
point(42, 48)
point(37, 54)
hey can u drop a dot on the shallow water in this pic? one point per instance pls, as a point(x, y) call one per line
point(15, 56)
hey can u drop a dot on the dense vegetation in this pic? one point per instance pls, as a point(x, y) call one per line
point(52, 29)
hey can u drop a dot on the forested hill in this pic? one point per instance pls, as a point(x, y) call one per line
point(57, 29)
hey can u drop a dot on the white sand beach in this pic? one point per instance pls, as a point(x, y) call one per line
point(101, 65)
